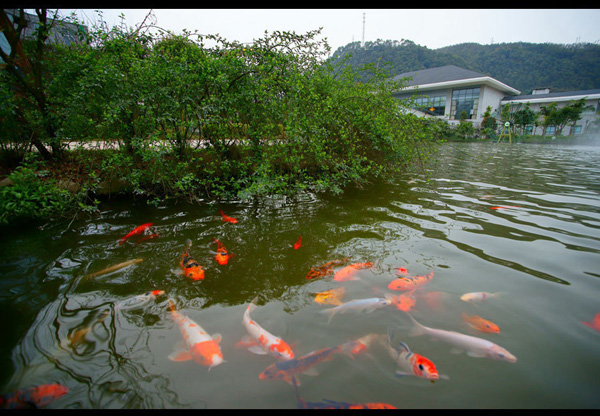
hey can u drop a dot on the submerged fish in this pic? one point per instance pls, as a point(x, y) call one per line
point(505, 207)
point(33, 397)
point(595, 324)
point(410, 282)
point(222, 256)
point(404, 302)
point(135, 231)
point(199, 346)
point(265, 342)
point(347, 273)
point(480, 324)
point(362, 344)
point(288, 370)
point(191, 268)
point(77, 337)
point(478, 296)
point(474, 347)
point(330, 404)
point(409, 362)
point(331, 297)
point(358, 305)
point(324, 270)
point(146, 238)
point(227, 218)
point(113, 268)
point(298, 243)
point(139, 300)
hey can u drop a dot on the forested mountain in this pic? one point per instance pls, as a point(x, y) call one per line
point(524, 66)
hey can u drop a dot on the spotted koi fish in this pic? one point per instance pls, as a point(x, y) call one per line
point(478, 296)
point(191, 268)
point(200, 347)
point(410, 282)
point(222, 256)
point(409, 363)
point(265, 342)
point(33, 397)
point(404, 302)
point(331, 297)
point(324, 270)
point(288, 370)
point(347, 273)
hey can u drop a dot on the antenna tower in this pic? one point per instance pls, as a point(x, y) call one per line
point(363, 34)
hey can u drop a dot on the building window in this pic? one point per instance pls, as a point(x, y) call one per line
point(434, 105)
point(466, 100)
point(577, 130)
point(550, 130)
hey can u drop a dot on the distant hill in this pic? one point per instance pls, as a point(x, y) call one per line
point(524, 66)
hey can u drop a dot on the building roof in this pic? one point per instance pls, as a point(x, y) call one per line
point(555, 96)
point(451, 76)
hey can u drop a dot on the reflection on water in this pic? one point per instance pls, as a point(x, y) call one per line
point(521, 220)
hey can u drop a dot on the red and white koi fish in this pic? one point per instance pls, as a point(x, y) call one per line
point(324, 270)
point(410, 363)
point(478, 296)
point(358, 305)
point(288, 370)
point(200, 347)
point(266, 343)
point(410, 282)
point(362, 344)
point(474, 347)
point(222, 256)
point(595, 324)
point(33, 397)
point(330, 404)
point(480, 324)
point(135, 231)
point(298, 243)
point(146, 238)
point(347, 273)
point(191, 268)
point(139, 300)
point(227, 218)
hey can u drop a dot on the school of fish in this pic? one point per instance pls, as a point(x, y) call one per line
point(197, 345)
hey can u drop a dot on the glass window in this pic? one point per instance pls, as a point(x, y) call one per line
point(433, 105)
point(550, 130)
point(467, 100)
point(577, 130)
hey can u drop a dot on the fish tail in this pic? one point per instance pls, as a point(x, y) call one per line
point(188, 244)
point(417, 328)
point(330, 312)
point(172, 306)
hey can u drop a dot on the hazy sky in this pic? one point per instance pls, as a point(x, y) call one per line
point(433, 28)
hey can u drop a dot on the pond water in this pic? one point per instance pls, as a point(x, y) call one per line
point(539, 252)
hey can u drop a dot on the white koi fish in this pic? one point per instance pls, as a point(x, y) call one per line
point(478, 296)
point(358, 305)
point(475, 347)
point(201, 347)
point(139, 300)
point(410, 363)
point(264, 341)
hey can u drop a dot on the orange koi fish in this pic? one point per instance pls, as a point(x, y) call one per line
point(201, 347)
point(362, 344)
point(139, 300)
point(298, 243)
point(324, 270)
point(331, 297)
point(505, 207)
point(404, 302)
point(410, 282)
point(33, 397)
point(409, 362)
point(227, 218)
point(347, 273)
point(595, 324)
point(135, 231)
point(266, 343)
point(478, 296)
point(288, 370)
point(190, 267)
point(222, 256)
point(480, 324)
point(330, 404)
point(78, 337)
point(146, 238)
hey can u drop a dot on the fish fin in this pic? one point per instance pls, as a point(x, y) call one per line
point(180, 356)
point(444, 377)
point(256, 350)
point(330, 312)
point(402, 374)
point(590, 324)
point(475, 354)
point(417, 328)
point(456, 351)
point(311, 372)
point(216, 337)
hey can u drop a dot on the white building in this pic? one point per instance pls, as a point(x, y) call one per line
point(445, 92)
